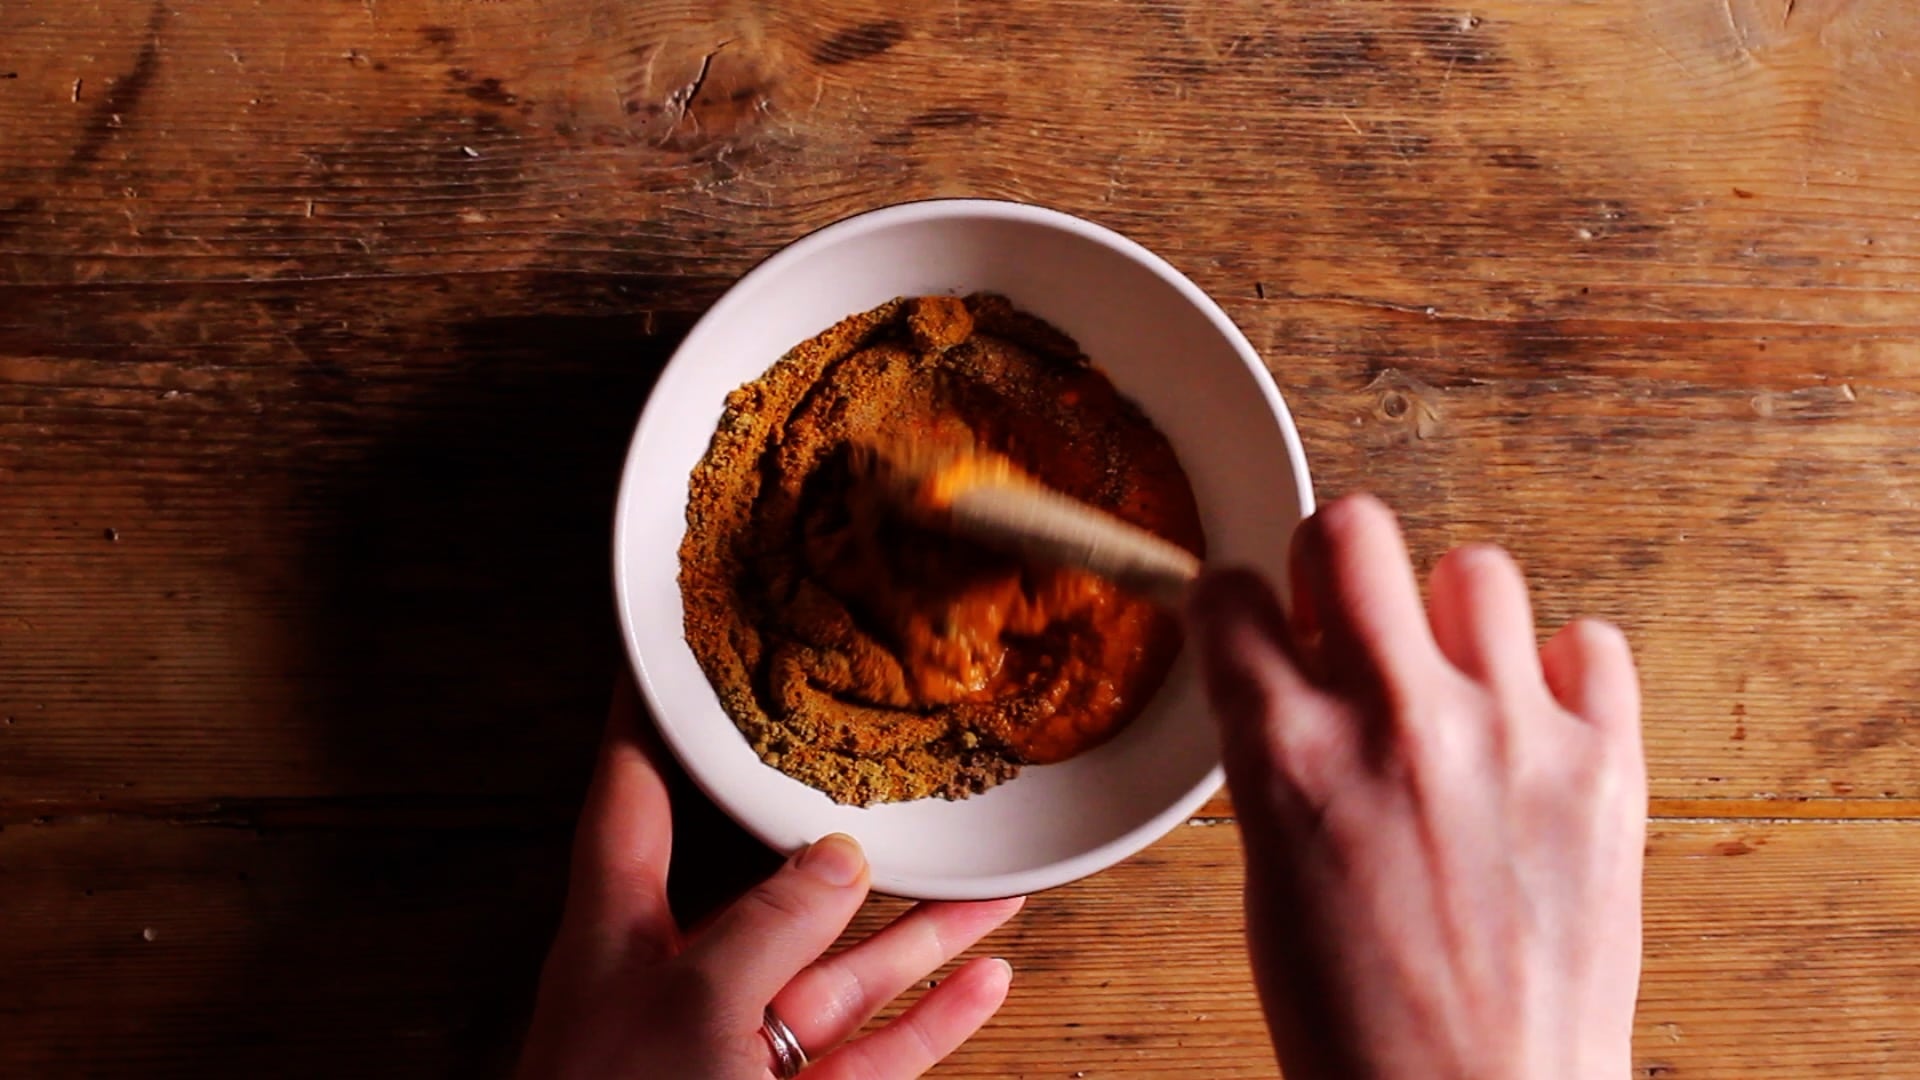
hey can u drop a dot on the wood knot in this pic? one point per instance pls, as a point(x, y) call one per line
point(1404, 408)
point(715, 104)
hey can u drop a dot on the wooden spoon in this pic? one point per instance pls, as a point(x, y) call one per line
point(986, 498)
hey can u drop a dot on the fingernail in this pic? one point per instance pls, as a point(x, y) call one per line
point(834, 859)
point(1006, 969)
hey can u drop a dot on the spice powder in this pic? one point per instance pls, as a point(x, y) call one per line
point(876, 659)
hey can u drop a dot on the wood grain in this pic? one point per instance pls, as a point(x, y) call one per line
point(316, 951)
point(181, 949)
point(1510, 295)
point(378, 567)
point(322, 331)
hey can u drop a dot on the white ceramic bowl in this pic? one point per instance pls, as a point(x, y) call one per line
point(1163, 342)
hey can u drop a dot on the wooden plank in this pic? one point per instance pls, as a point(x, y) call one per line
point(410, 951)
point(1770, 947)
point(1626, 288)
point(381, 568)
point(322, 331)
point(1491, 161)
point(152, 949)
point(258, 541)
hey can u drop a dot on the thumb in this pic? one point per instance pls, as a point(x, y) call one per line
point(618, 889)
point(1246, 647)
point(1271, 716)
point(767, 936)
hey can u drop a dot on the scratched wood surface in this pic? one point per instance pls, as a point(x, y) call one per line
point(322, 329)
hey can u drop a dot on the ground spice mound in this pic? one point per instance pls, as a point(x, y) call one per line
point(878, 660)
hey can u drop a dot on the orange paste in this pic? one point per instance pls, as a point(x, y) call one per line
point(877, 658)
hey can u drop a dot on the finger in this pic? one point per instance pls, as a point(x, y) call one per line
point(1268, 710)
point(934, 1027)
point(1228, 605)
point(618, 889)
point(1482, 619)
point(827, 1003)
point(781, 925)
point(1352, 562)
point(1589, 668)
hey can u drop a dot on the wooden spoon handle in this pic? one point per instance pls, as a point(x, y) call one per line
point(1051, 527)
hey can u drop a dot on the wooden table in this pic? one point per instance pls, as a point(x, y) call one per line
point(323, 327)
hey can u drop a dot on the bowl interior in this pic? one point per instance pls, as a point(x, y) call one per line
point(1162, 343)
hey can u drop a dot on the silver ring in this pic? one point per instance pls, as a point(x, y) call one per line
point(788, 1057)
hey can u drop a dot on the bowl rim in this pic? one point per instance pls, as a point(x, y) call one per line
point(921, 886)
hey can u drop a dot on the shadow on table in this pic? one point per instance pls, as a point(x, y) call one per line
point(460, 651)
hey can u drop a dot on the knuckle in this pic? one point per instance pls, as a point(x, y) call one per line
point(831, 993)
point(1576, 770)
point(857, 1061)
point(857, 995)
point(1621, 755)
point(914, 1030)
point(1437, 729)
point(1573, 769)
point(1314, 757)
point(931, 944)
point(781, 899)
point(1441, 747)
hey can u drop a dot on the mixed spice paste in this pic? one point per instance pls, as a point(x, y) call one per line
point(879, 659)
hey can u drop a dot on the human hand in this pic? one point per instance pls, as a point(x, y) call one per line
point(1444, 825)
point(627, 993)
